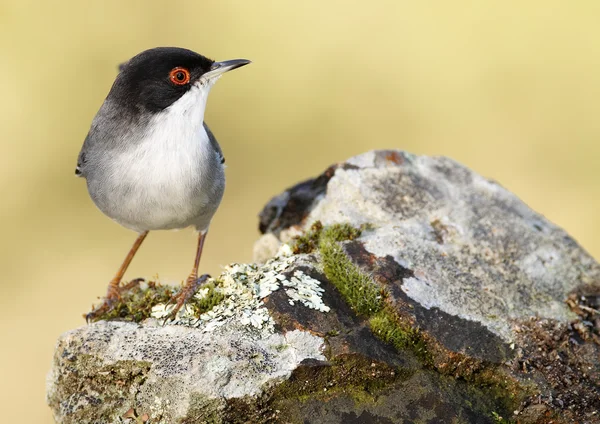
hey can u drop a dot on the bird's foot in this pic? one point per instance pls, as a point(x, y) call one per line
point(113, 296)
point(192, 284)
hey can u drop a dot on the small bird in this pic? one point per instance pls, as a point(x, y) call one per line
point(150, 161)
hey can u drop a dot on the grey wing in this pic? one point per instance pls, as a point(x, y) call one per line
point(213, 142)
point(81, 160)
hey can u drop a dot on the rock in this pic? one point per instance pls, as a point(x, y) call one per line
point(265, 248)
point(477, 252)
point(392, 288)
point(148, 367)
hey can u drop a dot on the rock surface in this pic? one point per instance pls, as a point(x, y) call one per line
point(396, 289)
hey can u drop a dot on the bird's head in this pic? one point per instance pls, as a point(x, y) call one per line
point(157, 78)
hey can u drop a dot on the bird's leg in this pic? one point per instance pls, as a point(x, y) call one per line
point(113, 292)
point(193, 282)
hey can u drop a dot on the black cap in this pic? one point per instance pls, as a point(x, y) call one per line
point(156, 78)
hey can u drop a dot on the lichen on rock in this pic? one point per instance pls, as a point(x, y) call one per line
point(241, 288)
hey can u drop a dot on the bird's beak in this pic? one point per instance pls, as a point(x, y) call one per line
point(219, 68)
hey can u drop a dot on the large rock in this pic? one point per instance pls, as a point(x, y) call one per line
point(394, 289)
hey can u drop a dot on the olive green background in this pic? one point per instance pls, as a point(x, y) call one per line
point(509, 88)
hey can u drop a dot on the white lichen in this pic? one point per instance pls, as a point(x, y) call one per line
point(244, 286)
point(305, 289)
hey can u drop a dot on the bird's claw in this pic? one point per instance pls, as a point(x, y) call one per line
point(102, 309)
point(113, 296)
point(193, 283)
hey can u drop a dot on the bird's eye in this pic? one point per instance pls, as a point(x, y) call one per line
point(179, 76)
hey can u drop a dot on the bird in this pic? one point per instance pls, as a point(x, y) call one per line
point(150, 161)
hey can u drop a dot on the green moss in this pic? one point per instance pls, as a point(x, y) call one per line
point(351, 374)
point(378, 388)
point(136, 303)
point(364, 296)
point(308, 242)
point(500, 386)
point(356, 287)
point(212, 299)
point(340, 232)
point(92, 391)
point(390, 328)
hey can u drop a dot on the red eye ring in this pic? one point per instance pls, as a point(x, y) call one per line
point(179, 76)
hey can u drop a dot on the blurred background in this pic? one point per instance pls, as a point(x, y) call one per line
point(508, 88)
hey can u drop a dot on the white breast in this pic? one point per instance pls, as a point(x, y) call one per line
point(164, 180)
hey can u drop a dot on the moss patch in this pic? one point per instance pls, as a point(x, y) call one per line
point(355, 388)
point(351, 374)
point(391, 328)
point(91, 391)
point(136, 303)
point(357, 288)
point(212, 299)
point(309, 241)
point(364, 296)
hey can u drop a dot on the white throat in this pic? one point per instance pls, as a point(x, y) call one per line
point(178, 131)
point(188, 108)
